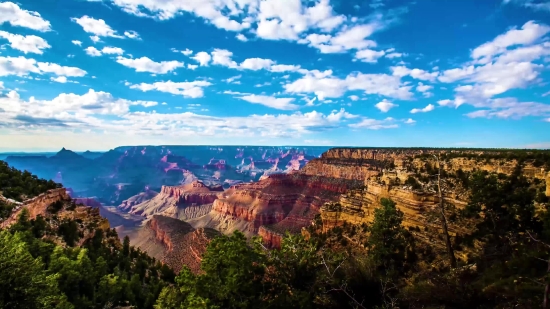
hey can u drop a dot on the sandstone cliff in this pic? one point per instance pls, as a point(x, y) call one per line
point(274, 205)
point(37, 205)
point(407, 177)
point(87, 218)
point(181, 202)
point(173, 242)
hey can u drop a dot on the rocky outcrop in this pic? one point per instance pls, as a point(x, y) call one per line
point(274, 205)
point(173, 242)
point(548, 184)
point(127, 205)
point(87, 201)
point(37, 205)
point(182, 202)
point(395, 168)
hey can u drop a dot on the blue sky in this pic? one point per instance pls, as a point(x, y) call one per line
point(97, 74)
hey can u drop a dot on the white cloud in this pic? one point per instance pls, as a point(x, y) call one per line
point(277, 103)
point(541, 5)
point(509, 108)
point(233, 79)
point(144, 64)
point(241, 37)
point(192, 66)
point(326, 86)
point(426, 109)
point(420, 74)
point(112, 50)
point(95, 38)
point(59, 79)
point(186, 89)
point(97, 27)
point(369, 55)
point(528, 34)
point(256, 64)
point(60, 70)
point(92, 51)
point(203, 58)
point(223, 57)
point(279, 68)
point(76, 42)
point(394, 55)
point(186, 52)
point(385, 105)
point(410, 121)
point(353, 97)
point(373, 124)
point(26, 44)
point(11, 13)
point(132, 34)
point(423, 88)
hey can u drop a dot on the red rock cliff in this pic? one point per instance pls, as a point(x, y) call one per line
point(37, 205)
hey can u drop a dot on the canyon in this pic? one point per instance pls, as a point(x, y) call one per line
point(174, 223)
point(123, 172)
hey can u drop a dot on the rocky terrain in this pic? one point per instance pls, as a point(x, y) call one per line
point(174, 242)
point(182, 202)
point(56, 206)
point(409, 178)
point(124, 172)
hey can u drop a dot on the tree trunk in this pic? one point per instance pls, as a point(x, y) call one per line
point(450, 251)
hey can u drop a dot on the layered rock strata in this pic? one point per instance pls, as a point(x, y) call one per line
point(181, 202)
point(127, 205)
point(274, 205)
point(37, 205)
point(173, 242)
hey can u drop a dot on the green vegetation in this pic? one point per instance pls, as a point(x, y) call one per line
point(37, 273)
point(379, 265)
point(17, 185)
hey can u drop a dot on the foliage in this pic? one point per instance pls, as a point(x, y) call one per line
point(16, 185)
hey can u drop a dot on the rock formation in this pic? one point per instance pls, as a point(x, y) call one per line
point(37, 205)
point(181, 202)
point(393, 170)
point(172, 241)
point(127, 205)
point(274, 205)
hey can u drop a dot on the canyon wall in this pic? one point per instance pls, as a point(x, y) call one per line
point(181, 202)
point(173, 242)
point(274, 205)
point(395, 167)
point(37, 205)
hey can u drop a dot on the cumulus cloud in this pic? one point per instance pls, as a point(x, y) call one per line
point(203, 58)
point(324, 86)
point(541, 5)
point(385, 105)
point(510, 61)
point(92, 51)
point(112, 50)
point(186, 52)
point(73, 111)
point(374, 124)
point(369, 55)
point(420, 74)
point(187, 89)
point(269, 101)
point(426, 109)
point(132, 35)
point(76, 42)
point(26, 44)
point(14, 15)
point(241, 37)
point(256, 64)
point(98, 27)
point(144, 64)
point(21, 66)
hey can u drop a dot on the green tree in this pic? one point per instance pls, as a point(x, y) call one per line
point(23, 281)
